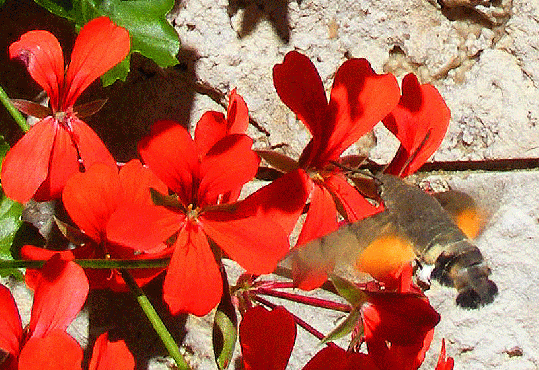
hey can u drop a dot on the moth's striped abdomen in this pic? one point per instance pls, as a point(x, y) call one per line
point(438, 241)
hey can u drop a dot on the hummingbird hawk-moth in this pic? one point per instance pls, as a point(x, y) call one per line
point(413, 224)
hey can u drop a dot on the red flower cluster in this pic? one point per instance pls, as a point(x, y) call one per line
point(184, 204)
point(359, 99)
point(398, 327)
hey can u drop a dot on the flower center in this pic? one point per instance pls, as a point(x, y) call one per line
point(192, 212)
point(64, 118)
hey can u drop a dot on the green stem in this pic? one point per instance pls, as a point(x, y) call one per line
point(92, 263)
point(17, 116)
point(155, 320)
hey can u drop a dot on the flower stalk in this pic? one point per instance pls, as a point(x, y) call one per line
point(311, 301)
point(298, 321)
point(91, 263)
point(155, 320)
point(17, 116)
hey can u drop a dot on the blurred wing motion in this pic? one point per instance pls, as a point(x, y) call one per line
point(413, 225)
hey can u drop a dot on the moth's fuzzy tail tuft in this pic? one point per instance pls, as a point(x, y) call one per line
point(466, 270)
point(479, 292)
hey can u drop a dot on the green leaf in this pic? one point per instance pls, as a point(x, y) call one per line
point(150, 31)
point(10, 219)
point(10, 222)
point(118, 72)
point(228, 333)
point(61, 8)
point(345, 327)
point(225, 332)
point(349, 291)
point(151, 34)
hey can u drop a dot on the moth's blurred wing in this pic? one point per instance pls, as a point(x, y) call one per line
point(464, 211)
point(385, 255)
point(373, 246)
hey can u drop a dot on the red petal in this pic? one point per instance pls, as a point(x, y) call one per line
point(256, 242)
point(336, 358)
point(355, 205)
point(360, 98)
point(321, 217)
point(91, 148)
point(211, 128)
point(193, 282)
point(30, 252)
point(108, 355)
point(283, 200)
point(407, 357)
point(237, 114)
point(26, 165)
point(42, 54)
point(226, 167)
point(299, 86)
point(10, 323)
point(136, 182)
point(59, 296)
point(99, 47)
point(443, 362)
point(267, 338)
point(421, 110)
point(63, 163)
point(321, 220)
point(399, 319)
point(56, 351)
point(91, 197)
point(143, 227)
point(171, 154)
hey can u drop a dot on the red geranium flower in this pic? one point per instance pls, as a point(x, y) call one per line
point(202, 172)
point(267, 338)
point(60, 294)
point(420, 122)
point(359, 99)
point(41, 162)
point(91, 198)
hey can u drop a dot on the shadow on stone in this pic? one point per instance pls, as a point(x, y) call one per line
point(122, 317)
point(254, 11)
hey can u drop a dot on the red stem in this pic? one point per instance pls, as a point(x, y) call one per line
point(277, 285)
point(311, 301)
point(298, 321)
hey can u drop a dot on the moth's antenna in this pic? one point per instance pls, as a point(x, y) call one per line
point(363, 183)
point(361, 171)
